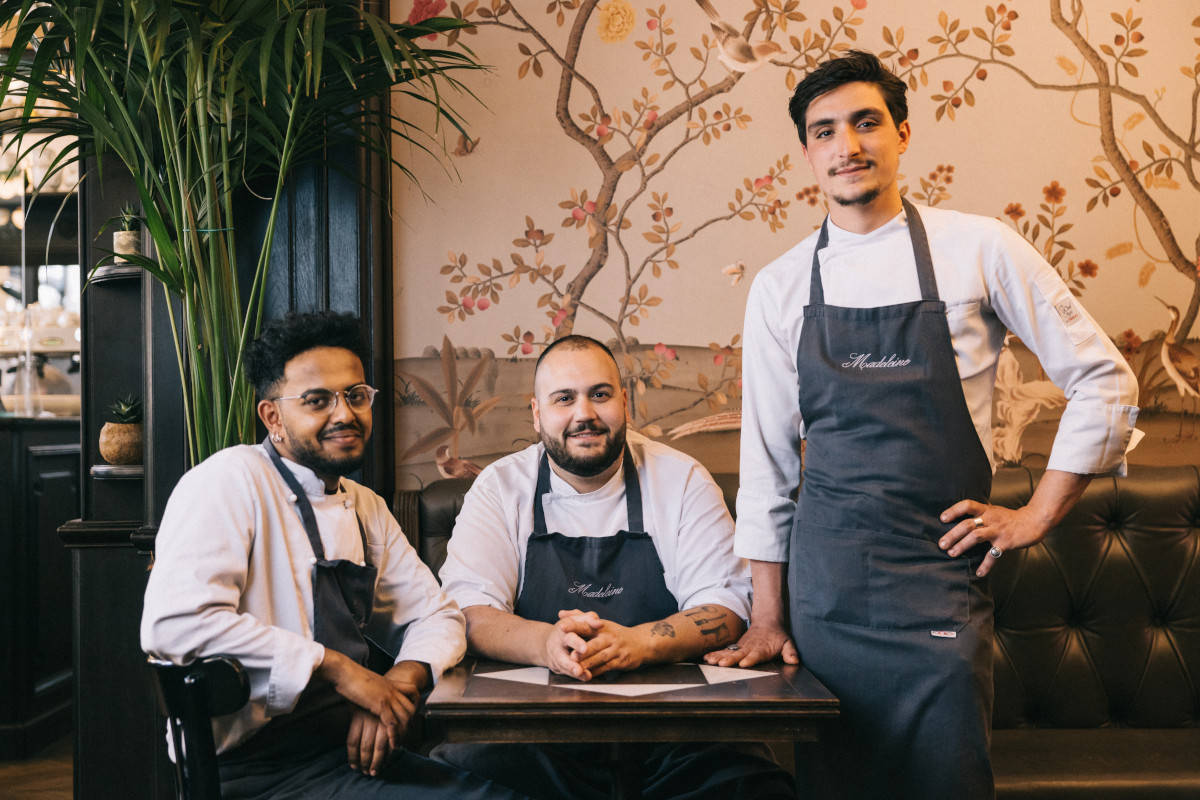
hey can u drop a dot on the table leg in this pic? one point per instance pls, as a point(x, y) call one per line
point(628, 771)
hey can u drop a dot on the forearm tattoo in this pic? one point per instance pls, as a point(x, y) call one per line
point(712, 622)
point(663, 628)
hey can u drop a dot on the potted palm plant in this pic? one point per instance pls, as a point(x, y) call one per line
point(204, 102)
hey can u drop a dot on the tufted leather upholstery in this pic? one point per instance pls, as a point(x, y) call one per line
point(1097, 635)
point(1098, 643)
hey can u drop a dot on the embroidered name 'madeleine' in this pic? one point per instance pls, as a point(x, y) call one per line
point(862, 361)
point(585, 589)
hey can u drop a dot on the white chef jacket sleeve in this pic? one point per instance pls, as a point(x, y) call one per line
point(483, 557)
point(769, 473)
point(412, 616)
point(193, 597)
point(1030, 298)
point(706, 570)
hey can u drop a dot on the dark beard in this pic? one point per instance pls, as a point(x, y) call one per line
point(310, 456)
point(588, 466)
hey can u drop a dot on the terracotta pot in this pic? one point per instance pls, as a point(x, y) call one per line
point(121, 442)
point(126, 242)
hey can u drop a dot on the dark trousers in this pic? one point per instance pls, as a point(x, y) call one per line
point(303, 755)
point(667, 771)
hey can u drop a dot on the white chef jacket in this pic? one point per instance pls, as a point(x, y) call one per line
point(683, 509)
point(233, 574)
point(992, 281)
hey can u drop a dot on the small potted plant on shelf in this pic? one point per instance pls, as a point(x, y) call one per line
point(121, 439)
point(127, 240)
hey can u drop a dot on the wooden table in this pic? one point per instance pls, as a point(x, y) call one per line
point(781, 702)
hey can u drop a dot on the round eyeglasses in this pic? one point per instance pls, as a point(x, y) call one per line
point(322, 402)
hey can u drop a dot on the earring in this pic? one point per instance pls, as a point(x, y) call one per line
point(275, 437)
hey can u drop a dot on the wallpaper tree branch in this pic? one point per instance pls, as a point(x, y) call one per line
point(633, 167)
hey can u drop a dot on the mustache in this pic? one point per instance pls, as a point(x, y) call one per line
point(586, 427)
point(340, 427)
point(866, 162)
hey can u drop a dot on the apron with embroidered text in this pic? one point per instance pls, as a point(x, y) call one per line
point(899, 631)
point(620, 577)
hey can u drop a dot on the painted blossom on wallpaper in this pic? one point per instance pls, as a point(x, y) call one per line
point(1049, 219)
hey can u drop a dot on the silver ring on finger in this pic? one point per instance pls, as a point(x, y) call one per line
point(995, 552)
point(733, 646)
point(978, 522)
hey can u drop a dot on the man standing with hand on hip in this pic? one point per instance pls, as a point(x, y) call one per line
point(875, 341)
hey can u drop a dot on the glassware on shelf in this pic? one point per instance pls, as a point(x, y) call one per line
point(27, 390)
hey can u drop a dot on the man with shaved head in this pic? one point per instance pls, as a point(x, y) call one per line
point(598, 550)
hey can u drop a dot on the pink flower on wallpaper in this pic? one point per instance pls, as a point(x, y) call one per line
point(859, 4)
point(1054, 193)
point(1129, 342)
point(1088, 268)
point(425, 9)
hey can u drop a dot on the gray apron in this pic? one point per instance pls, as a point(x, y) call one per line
point(900, 631)
point(343, 596)
point(620, 577)
point(626, 585)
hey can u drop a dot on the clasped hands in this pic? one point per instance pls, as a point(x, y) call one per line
point(584, 646)
point(384, 706)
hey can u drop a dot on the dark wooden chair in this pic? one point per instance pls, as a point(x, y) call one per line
point(190, 697)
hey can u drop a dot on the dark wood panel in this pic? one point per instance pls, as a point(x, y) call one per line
point(120, 751)
point(40, 491)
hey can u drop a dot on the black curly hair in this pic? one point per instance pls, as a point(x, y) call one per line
point(284, 339)
point(855, 65)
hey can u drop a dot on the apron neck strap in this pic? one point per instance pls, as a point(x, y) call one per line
point(307, 515)
point(920, 246)
point(633, 494)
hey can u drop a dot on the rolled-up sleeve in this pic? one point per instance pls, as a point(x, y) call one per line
point(706, 570)
point(771, 430)
point(1097, 426)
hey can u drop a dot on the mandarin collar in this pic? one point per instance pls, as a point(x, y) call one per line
point(842, 236)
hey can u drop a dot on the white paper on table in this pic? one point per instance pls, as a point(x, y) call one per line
point(540, 676)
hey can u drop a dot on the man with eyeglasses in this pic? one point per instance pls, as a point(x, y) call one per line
point(270, 554)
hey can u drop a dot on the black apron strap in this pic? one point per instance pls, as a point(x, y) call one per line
point(307, 515)
point(920, 245)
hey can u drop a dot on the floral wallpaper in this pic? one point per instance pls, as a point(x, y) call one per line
point(630, 167)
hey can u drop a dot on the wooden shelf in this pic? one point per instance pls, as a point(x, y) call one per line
point(114, 272)
point(118, 472)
